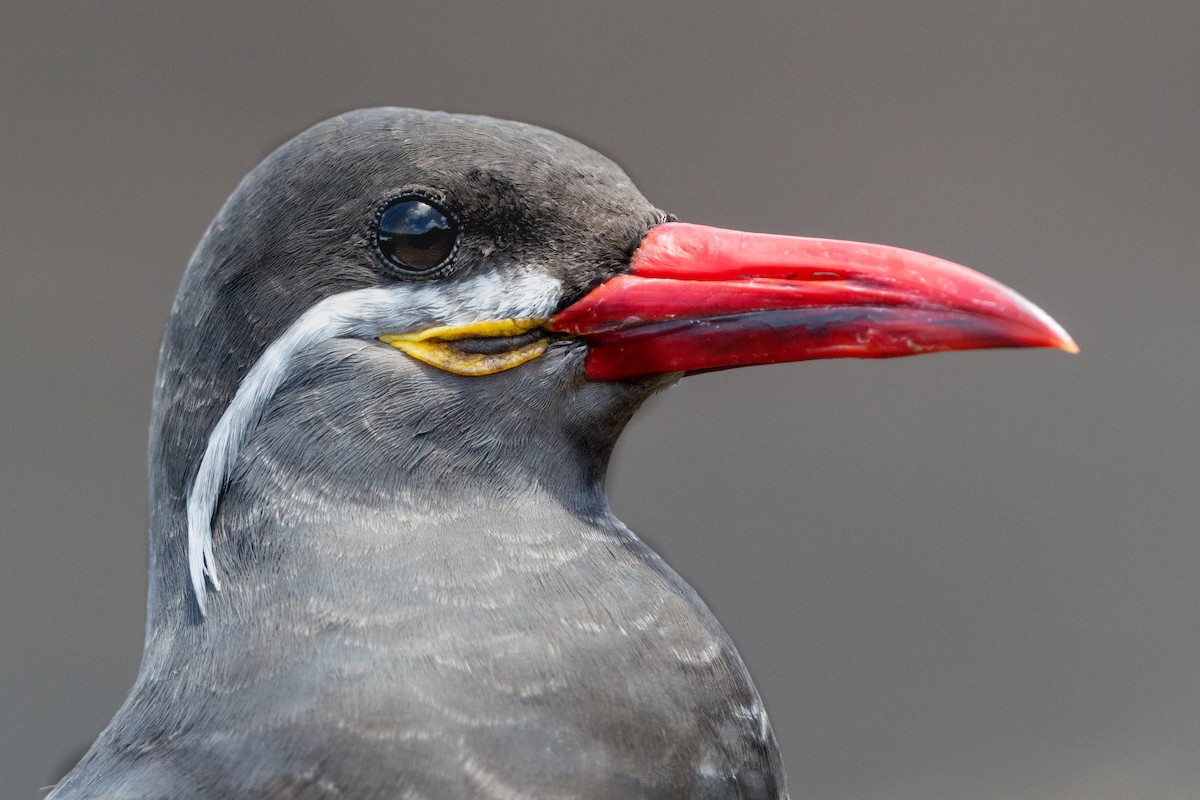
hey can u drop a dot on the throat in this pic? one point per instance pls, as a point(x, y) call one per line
point(396, 566)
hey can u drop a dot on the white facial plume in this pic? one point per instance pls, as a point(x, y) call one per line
point(361, 314)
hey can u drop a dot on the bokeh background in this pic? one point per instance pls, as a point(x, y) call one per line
point(971, 576)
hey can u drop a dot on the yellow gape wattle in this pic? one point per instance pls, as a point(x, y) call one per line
point(441, 346)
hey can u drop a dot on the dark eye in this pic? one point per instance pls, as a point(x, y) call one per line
point(415, 235)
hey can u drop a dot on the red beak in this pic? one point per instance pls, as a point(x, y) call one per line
point(697, 298)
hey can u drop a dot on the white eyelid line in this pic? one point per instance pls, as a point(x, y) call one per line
point(361, 313)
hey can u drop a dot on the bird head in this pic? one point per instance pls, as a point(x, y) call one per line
point(399, 305)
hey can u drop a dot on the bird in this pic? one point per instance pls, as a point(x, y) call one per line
point(382, 560)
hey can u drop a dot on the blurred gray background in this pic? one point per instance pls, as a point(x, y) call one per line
point(971, 576)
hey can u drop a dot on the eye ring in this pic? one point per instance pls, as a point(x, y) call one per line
point(415, 233)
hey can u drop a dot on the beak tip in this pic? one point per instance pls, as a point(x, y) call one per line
point(1057, 336)
point(1061, 339)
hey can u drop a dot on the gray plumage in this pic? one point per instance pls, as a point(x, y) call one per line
point(424, 592)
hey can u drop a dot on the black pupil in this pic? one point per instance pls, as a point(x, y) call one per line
point(414, 235)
